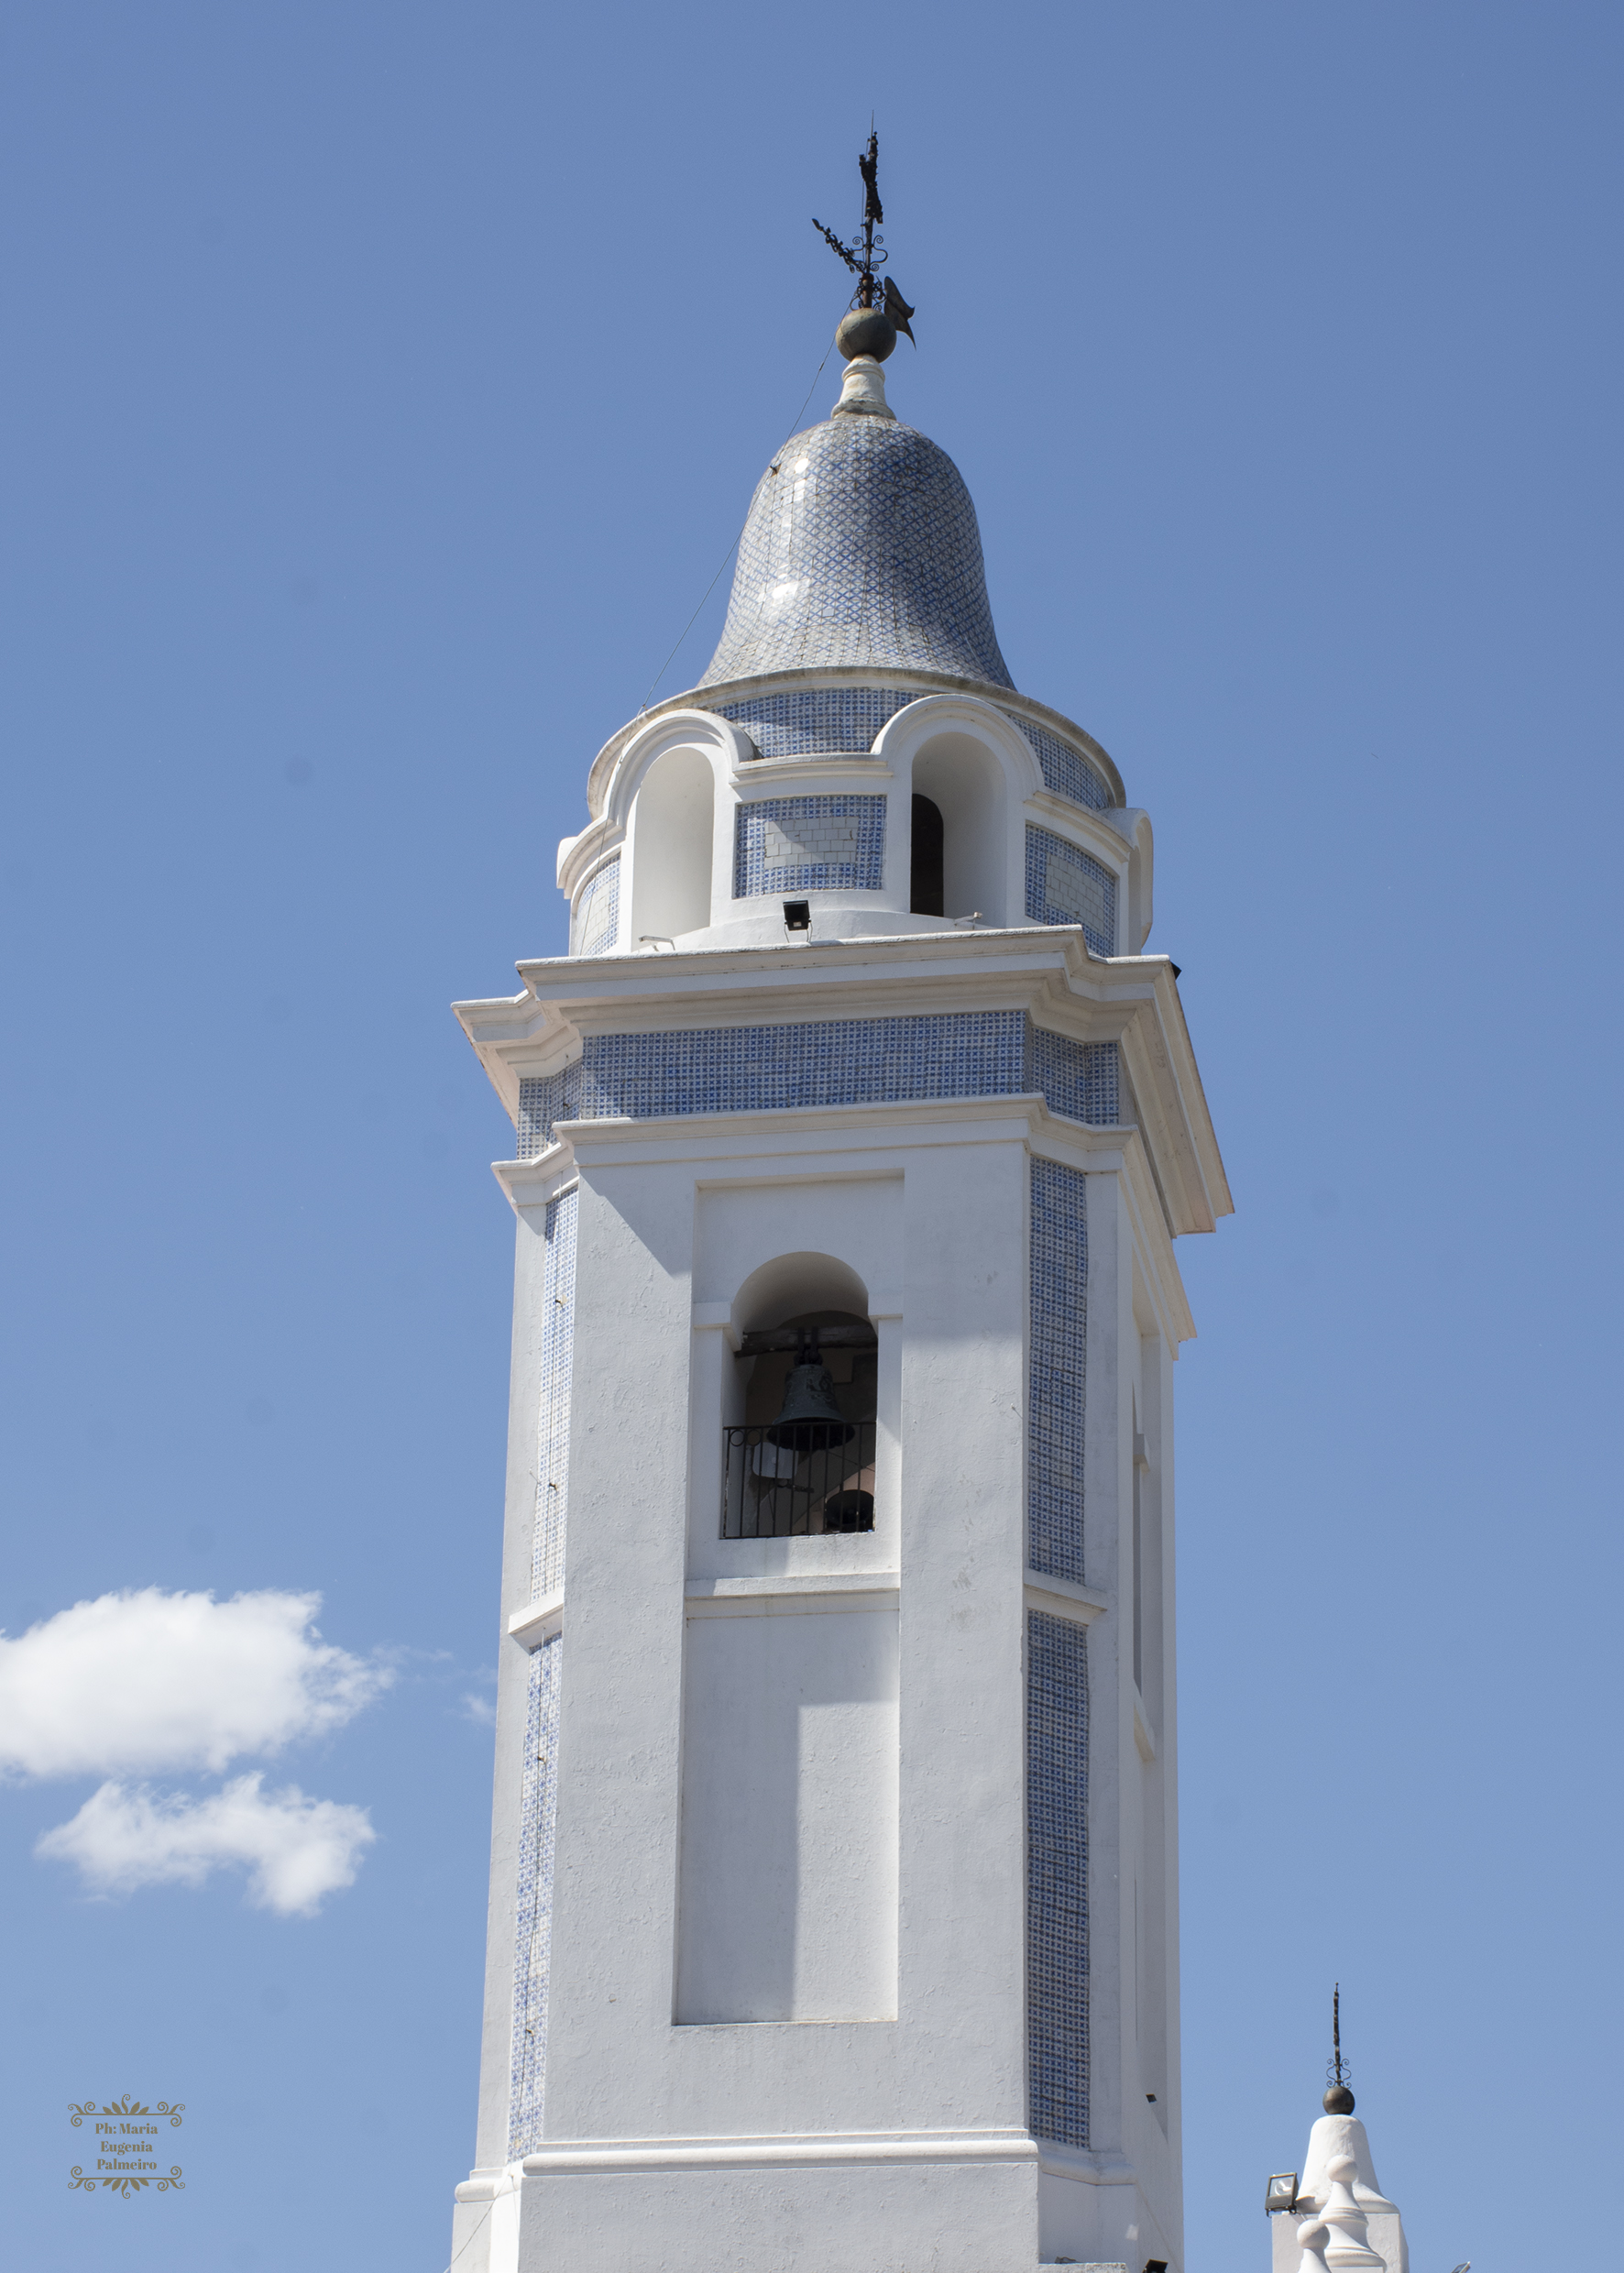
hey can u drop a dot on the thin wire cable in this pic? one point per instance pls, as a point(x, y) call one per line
point(726, 556)
point(472, 2237)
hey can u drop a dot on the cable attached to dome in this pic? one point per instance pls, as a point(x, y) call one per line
point(743, 525)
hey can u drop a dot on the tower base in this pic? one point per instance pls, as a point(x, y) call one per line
point(978, 2202)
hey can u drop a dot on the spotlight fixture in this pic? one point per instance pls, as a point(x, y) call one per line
point(797, 915)
point(1281, 2192)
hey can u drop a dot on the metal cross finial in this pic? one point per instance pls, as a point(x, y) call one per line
point(1339, 2072)
point(866, 252)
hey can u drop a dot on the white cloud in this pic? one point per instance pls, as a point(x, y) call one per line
point(297, 1849)
point(151, 1681)
point(479, 1710)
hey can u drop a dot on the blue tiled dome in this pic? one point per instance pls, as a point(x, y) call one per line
point(861, 549)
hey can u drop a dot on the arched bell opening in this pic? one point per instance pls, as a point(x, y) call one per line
point(960, 783)
point(924, 861)
point(671, 833)
point(799, 1459)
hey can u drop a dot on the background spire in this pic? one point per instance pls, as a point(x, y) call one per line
point(1339, 2099)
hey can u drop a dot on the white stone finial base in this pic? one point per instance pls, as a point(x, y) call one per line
point(862, 392)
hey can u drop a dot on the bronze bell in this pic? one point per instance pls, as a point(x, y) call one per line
point(810, 1420)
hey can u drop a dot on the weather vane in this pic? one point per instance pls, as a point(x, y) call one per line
point(866, 254)
point(1339, 2099)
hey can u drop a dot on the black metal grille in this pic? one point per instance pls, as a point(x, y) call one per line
point(782, 1491)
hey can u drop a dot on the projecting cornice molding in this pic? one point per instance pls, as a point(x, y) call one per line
point(713, 698)
point(1045, 972)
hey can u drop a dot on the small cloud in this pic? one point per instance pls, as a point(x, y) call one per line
point(479, 1710)
point(144, 1681)
point(296, 1850)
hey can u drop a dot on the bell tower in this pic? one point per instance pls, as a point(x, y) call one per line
point(833, 1899)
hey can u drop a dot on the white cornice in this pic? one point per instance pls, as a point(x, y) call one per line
point(764, 776)
point(789, 682)
point(535, 1622)
point(1082, 825)
point(533, 1183)
point(1063, 1598)
point(1045, 970)
point(782, 2150)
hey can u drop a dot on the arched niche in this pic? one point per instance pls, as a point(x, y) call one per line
point(964, 781)
point(792, 1286)
point(671, 834)
point(802, 1412)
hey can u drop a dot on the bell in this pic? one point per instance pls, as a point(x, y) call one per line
point(810, 1420)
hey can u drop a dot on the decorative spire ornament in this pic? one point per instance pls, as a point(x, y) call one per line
point(1338, 2099)
point(878, 310)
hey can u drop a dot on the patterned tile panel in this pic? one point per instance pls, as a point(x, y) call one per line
point(808, 844)
point(538, 1798)
point(1056, 1389)
point(557, 1334)
point(831, 1061)
point(861, 548)
point(846, 719)
point(1065, 885)
point(533, 1955)
point(1066, 770)
point(1057, 1880)
point(547, 1098)
point(826, 1062)
point(594, 920)
point(1079, 1080)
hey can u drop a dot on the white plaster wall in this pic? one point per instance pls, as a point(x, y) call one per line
point(932, 1220)
point(847, 2217)
point(954, 1220)
point(787, 1907)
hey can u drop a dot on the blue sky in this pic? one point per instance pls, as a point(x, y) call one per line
point(384, 385)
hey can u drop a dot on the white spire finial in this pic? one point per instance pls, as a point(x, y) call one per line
point(862, 392)
point(1349, 2245)
point(1310, 2240)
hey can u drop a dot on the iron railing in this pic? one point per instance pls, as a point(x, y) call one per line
point(784, 1491)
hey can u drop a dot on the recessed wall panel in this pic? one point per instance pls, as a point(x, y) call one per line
point(789, 1819)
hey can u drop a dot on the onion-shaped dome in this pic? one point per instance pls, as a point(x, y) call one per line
point(861, 549)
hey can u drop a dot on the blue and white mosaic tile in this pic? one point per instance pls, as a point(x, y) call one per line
point(860, 549)
point(539, 1793)
point(849, 720)
point(1065, 885)
point(1057, 1880)
point(557, 1358)
point(595, 921)
point(1079, 1080)
point(846, 719)
point(808, 844)
point(831, 1061)
point(1066, 772)
point(533, 1955)
point(1055, 1391)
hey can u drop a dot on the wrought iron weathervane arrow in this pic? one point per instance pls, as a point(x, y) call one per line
point(865, 256)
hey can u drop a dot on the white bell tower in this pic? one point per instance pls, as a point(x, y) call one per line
point(833, 1902)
